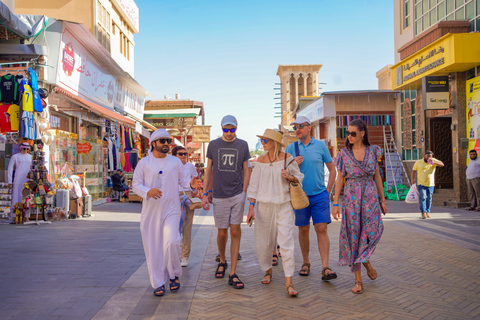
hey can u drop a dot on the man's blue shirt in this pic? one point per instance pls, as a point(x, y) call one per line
point(314, 154)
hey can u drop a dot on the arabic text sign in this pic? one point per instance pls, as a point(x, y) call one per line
point(80, 72)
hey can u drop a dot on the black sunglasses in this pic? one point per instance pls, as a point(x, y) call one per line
point(182, 153)
point(231, 130)
point(165, 140)
point(300, 126)
point(353, 133)
point(264, 140)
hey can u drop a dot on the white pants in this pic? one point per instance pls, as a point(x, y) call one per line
point(275, 223)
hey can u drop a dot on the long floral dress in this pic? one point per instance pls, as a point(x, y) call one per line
point(362, 224)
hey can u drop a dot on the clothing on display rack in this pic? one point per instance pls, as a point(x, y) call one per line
point(28, 125)
point(27, 95)
point(37, 101)
point(8, 88)
point(134, 159)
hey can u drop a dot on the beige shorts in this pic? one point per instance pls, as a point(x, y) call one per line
point(227, 211)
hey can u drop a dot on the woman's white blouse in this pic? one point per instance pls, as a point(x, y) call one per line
point(267, 184)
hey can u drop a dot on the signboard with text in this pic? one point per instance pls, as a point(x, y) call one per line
point(436, 93)
point(473, 114)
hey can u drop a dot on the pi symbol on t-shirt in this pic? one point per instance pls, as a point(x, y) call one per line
point(227, 159)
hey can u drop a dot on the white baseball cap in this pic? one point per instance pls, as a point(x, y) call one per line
point(300, 120)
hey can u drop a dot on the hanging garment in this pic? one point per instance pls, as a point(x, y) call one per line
point(20, 163)
point(117, 136)
point(37, 101)
point(28, 125)
point(110, 155)
point(8, 88)
point(27, 95)
point(133, 160)
point(13, 112)
point(114, 154)
point(127, 167)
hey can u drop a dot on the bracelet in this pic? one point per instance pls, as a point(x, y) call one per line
point(210, 191)
point(204, 194)
point(335, 205)
point(252, 204)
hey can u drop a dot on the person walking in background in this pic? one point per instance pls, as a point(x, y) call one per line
point(156, 179)
point(228, 166)
point(426, 180)
point(118, 182)
point(269, 192)
point(311, 155)
point(362, 224)
point(473, 181)
point(190, 171)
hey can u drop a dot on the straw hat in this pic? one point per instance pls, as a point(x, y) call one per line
point(272, 134)
point(47, 138)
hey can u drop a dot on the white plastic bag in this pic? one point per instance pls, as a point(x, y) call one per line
point(413, 196)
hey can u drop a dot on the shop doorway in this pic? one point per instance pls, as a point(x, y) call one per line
point(441, 145)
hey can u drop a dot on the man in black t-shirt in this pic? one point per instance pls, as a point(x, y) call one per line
point(228, 163)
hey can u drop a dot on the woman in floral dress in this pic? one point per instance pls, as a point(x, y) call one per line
point(362, 224)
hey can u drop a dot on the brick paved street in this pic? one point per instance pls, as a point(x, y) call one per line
point(94, 269)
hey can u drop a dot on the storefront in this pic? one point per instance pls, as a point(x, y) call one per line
point(436, 82)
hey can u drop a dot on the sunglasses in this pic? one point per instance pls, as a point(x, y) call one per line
point(264, 140)
point(182, 153)
point(300, 126)
point(353, 133)
point(231, 130)
point(165, 140)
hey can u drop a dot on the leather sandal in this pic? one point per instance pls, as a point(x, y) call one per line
point(359, 286)
point(236, 284)
point(275, 260)
point(328, 276)
point(305, 272)
point(221, 274)
point(293, 292)
point(160, 291)
point(174, 285)
point(267, 274)
point(471, 209)
point(371, 272)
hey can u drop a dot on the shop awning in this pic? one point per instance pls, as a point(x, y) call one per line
point(172, 113)
point(144, 123)
point(454, 52)
point(104, 112)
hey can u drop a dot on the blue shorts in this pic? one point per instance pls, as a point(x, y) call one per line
point(319, 210)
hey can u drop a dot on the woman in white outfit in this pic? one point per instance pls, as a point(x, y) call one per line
point(269, 193)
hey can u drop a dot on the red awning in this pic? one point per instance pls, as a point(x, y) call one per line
point(104, 112)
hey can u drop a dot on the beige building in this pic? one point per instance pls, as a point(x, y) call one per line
point(296, 81)
point(112, 22)
point(437, 57)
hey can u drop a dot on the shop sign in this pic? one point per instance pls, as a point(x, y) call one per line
point(64, 134)
point(131, 10)
point(193, 145)
point(90, 182)
point(201, 134)
point(435, 92)
point(414, 68)
point(314, 111)
point(473, 114)
point(82, 74)
point(128, 100)
point(84, 147)
point(81, 168)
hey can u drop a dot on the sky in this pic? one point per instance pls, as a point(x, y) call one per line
point(226, 53)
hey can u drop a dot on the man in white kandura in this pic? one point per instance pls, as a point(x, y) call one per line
point(156, 180)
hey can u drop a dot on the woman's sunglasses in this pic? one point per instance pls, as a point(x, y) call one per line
point(264, 141)
point(353, 133)
point(163, 140)
point(231, 130)
point(182, 153)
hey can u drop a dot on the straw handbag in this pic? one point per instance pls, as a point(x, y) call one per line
point(298, 197)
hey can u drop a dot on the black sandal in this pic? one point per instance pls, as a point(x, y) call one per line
point(275, 260)
point(305, 272)
point(160, 291)
point(221, 274)
point(236, 284)
point(278, 250)
point(174, 283)
point(330, 276)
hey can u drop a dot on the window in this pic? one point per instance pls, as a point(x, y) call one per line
point(103, 26)
point(406, 6)
point(414, 153)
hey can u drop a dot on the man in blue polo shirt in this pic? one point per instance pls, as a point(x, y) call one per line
point(311, 155)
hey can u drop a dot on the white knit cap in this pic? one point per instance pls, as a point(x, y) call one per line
point(158, 134)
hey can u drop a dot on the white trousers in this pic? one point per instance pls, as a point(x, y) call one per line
point(275, 223)
point(161, 242)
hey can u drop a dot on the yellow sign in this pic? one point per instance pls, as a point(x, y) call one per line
point(454, 52)
point(201, 134)
point(63, 134)
point(473, 114)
